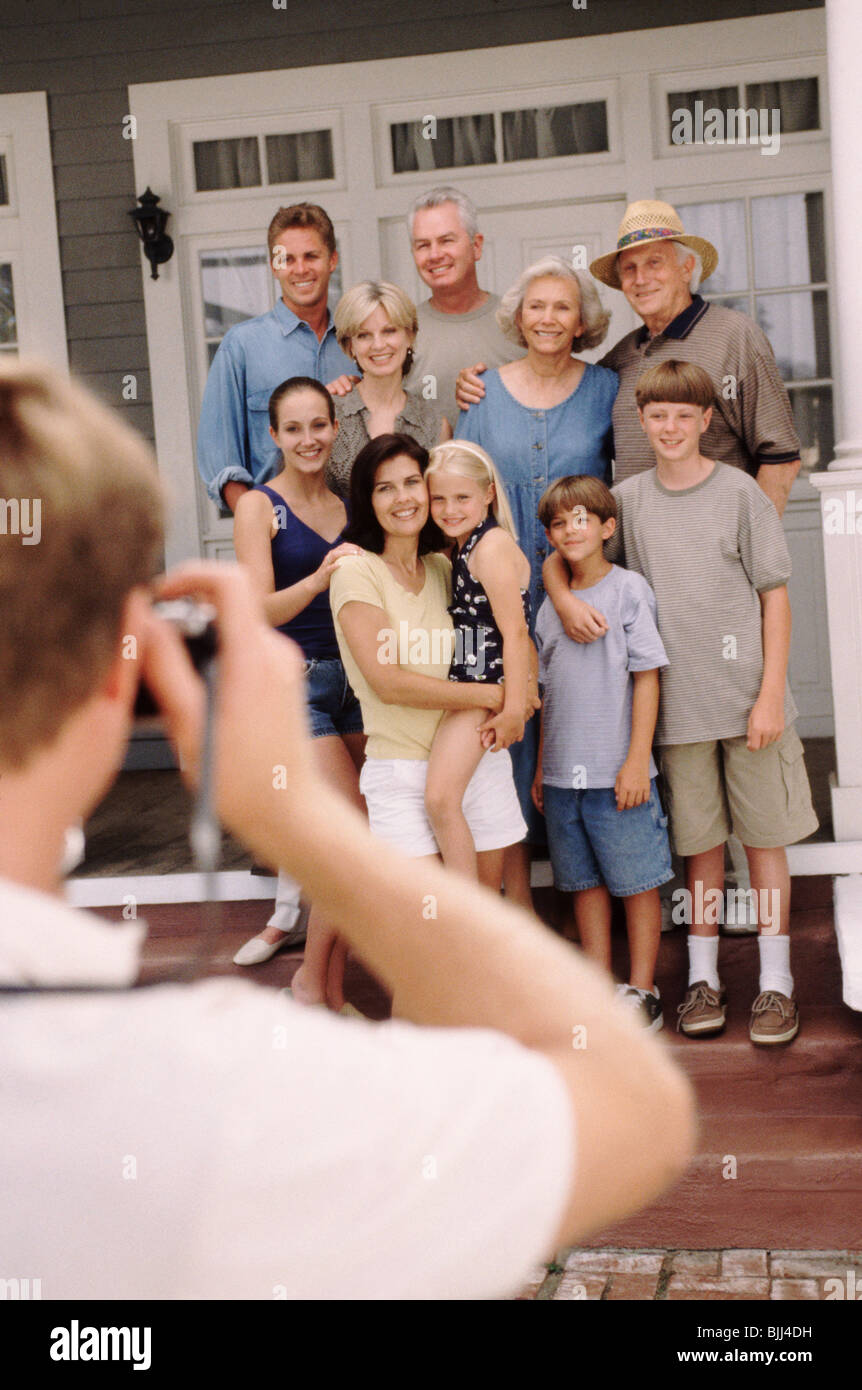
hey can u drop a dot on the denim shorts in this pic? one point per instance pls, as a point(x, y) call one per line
point(592, 843)
point(333, 709)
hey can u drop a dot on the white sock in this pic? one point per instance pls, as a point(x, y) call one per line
point(703, 960)
point(287, 903)
point(775, 964)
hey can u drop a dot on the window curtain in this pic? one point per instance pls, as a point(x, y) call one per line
point(547, 131)
point(457, 142)
point(724, 225)
point(233, 163)
point(236, 285)
point(797, 326)
point(712, 98)
point(302, 157)
point(797, 99)
point(787, 232)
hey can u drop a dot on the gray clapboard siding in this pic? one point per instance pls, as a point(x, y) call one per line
point(85, 321)
point(99, 252)
point(78, 181)
point(71, 111)
point(110, 354)
point(109, 287)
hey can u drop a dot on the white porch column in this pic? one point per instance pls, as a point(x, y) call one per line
point(840, 486)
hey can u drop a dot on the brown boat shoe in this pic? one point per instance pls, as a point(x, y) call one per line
point(704, 1010)
point(774, 1018)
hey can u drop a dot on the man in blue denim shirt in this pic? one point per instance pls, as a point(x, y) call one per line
point(296, 338)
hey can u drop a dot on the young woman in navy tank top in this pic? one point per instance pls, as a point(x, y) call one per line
point(288, 532)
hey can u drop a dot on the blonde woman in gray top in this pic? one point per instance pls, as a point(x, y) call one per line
point(375, 324)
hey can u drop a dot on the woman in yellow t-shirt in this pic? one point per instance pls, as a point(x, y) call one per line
point(395, 635)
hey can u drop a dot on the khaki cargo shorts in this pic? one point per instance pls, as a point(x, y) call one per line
point(721, 786)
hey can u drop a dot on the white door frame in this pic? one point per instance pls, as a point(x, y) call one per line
point(28, 228)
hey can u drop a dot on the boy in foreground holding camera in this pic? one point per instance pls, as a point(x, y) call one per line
point(710, 543)
point(279, 1151)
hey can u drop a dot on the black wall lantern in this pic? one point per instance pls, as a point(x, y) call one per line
point(151, 221)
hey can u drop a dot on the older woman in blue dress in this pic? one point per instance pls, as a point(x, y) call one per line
point(543, 417)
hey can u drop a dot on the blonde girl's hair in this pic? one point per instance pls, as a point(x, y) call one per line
point(471, 461)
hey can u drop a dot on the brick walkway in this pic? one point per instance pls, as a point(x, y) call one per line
point(678, 1275)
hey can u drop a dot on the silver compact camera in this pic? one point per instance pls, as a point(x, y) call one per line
point(195, 623)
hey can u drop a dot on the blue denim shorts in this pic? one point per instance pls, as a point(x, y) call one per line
point(333, 709)
point(592, 843)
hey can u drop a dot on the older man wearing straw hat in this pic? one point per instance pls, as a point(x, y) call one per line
point(658, 267)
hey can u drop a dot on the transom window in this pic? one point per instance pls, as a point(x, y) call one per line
point(797, 99)
point(772, 266)
point(499, 137)
point(251, 161)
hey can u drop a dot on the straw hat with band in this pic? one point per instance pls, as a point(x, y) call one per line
point(645, 221)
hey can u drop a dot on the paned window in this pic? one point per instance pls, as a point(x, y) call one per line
point(251, 161)
point(772, 266)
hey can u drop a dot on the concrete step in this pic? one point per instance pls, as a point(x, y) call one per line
point(821, 1070)
point(759, 1182)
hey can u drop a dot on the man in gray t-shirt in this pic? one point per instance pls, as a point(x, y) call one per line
point(458, 324)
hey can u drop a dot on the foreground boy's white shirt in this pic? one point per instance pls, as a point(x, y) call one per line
point(218, 1141)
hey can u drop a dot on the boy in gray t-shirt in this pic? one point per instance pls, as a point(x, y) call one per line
point(595, 780)
point(710, 543)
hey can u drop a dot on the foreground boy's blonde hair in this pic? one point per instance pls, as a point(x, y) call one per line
point(92, 483)
point(471, 461)
point(678, 383)
point(578, 490)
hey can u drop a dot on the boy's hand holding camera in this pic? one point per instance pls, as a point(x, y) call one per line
point(260, 708)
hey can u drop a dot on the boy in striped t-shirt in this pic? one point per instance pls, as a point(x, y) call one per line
point(710, 543)
point(595, 781)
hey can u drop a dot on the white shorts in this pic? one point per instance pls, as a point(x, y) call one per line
point(394, 791)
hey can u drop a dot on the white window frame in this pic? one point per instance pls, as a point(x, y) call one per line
point(739, 76)
point(28, 228)
point(493, 103)
point(238, 128)
point(791, 183)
